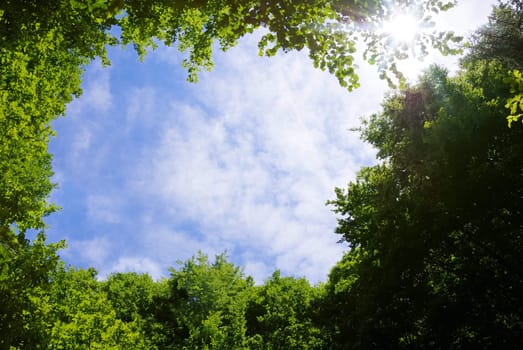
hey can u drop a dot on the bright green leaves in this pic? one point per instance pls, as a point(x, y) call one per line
point(333, 50)
point(515, 103)
point(44, 48)
point(210, 300)
point(26, 316)
point(326, 28)
point(84, 318)
point(501, 40)
point(203, 305)
point(25, 112)
point(280, 315)
point(37, 80)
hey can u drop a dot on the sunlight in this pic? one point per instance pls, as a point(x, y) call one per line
point(412, 67)
point(402, 28)
point(401, 32)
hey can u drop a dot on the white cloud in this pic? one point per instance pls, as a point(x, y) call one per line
point(142, 105)
point(104, 208)
point(79, 133)
point(134, 264)
point(97, 94)
point(81, 143)
point(93, 251)
point(244, 162)
point(466, 16)
point(253, 161)
point(170, 246)
point(258, 269)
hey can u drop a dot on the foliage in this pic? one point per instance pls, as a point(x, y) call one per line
point(25, 314)
point(502, 40)
point(34, 88)
point(85, 319)
point(44, 48)
point(208, 304)
point(281, 315)
point(436, 228)
point(45, 45)
point(515, 103)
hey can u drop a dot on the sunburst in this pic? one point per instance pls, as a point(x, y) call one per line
point(402, 28)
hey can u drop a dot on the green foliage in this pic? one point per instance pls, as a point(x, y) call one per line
point(142, 302)
point(502, 40)
point(84, 318)
point(281, 315)
point(208, 304)
point(515, 103)
point(436, 228)
point(44, 46)
point(34, 88)
point(437, 136)
point(131, 294)
point(25, 311)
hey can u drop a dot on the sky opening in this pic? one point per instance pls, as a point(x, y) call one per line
point(152, 169)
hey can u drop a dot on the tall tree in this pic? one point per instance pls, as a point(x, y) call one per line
point(502, 40)
point(436, 229)
point(206, 305)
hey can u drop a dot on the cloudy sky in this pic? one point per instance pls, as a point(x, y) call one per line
point(151, 169)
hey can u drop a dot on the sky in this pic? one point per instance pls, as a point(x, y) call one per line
point(152, 169)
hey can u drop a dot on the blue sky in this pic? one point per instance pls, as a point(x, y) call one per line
point(152, 169)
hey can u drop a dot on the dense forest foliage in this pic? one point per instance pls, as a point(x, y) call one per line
point(434, 230)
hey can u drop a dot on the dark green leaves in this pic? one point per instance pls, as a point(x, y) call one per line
point(435, 229)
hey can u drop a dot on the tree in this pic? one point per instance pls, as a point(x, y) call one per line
point(131, 294)
point(206, 305)
point(435, 230)
point(281, 315)
point(25, 313)
point(502, 40)
point(84, 318)
point(139, 300)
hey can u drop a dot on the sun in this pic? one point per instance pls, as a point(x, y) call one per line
point(402, 28)
point(400, 33)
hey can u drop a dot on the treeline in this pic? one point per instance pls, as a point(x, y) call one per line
point(435, 234)
point(202, 305)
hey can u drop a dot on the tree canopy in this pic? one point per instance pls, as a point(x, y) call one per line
point(434, 230)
